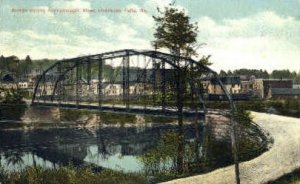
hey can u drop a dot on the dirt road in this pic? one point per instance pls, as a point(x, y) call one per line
point(283, 157)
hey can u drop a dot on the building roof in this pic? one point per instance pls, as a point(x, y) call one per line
point(227, 80)
point(7, 78)
point(245, 77)
point(284, 91)
point(275, 79)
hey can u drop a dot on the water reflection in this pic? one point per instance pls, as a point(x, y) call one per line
point(14, 160)
point(127, 149)
point(117, 161)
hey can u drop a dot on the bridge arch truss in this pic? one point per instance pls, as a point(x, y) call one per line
point(126, 77)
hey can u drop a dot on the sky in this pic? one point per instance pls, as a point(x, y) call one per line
point(253, 34)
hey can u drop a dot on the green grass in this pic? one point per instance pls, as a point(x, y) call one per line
point(69, 175)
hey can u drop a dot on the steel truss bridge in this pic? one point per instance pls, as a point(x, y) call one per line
point(131, 82)
point(127, 81)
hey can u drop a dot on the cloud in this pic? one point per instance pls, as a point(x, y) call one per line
point(63, 36)
point(48, 38)
point(143, 20)
point(265, 40)
point(29, 42)
point(6, 37)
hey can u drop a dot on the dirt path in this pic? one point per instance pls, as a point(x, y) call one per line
point(283, 157)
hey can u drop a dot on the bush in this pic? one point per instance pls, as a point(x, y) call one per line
point(12, 106)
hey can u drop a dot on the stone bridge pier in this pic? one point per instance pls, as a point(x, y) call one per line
point(41, 115)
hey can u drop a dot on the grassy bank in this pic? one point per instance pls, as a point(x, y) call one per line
point(69, 175)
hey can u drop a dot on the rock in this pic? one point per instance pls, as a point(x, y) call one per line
point(92, 121)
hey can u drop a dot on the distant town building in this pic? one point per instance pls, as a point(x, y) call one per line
point(7, 81)
point(112, 89)
point(24, 85)
point(34, 72)
point(47, 89)
point(284, 93)
point(139, 89)
point(296, 86)
point(261, 86)
point(116, 88)
point(246, 87)
point(232, 84)
point(7, 78)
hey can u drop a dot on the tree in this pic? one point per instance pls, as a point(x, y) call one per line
point(28, 59)
point(205, 60)
point(2, 61)
point(28, 65)
point(223, 73)
point(294, 74)
point(265, 74)
point(175, 32)
point(282, 74)
point(249, 72)
point(297, 78)
point(229, 73)
point(11, 64)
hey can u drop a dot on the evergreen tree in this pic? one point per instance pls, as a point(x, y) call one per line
point(297, 78)
point(2, 62)
point(27, 65)
point(12, 64)
point(175, 32)
point(223, 73)
point(282, 74)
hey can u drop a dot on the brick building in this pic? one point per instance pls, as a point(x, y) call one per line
point(261, 87)
point(284, 93)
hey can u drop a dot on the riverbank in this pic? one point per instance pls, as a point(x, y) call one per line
point(282, 158)
point(69, 175)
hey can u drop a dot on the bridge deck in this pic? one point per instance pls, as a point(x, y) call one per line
point(133, 109)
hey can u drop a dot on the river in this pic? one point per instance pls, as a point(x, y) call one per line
point(110, 147)
point(52, 138)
